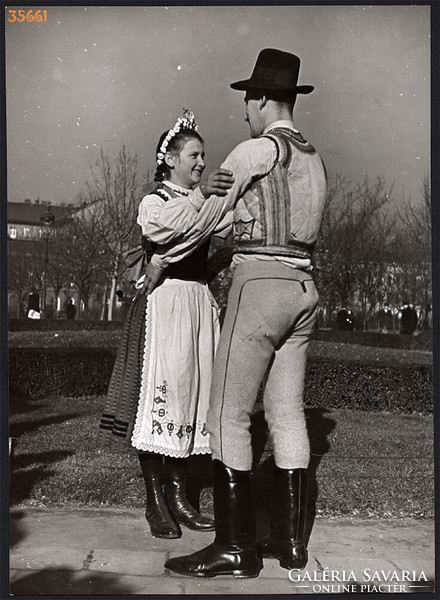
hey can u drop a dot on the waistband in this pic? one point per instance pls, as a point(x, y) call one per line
point(251, 269)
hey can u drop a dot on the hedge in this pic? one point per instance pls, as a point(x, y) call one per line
point(62, 325)
point(40, 372)
point(73, 372)
point(397, 388)
point(422, 341)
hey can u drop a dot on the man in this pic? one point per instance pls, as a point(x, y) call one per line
point(70, 309)
point(385, 319)
point(33, 308)
point(408, 319)
point(345, 319)
point(276, 202)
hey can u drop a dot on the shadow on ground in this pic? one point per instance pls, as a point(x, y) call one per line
point(29, 468)
point(16, 531)
point(61, 582)
point(319, 426)
point(28, 415)
point(24, 478)
point(66, 583)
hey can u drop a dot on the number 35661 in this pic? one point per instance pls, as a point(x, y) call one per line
point(27, 15)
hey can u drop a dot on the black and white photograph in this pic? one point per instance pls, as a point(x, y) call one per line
point(218, 354)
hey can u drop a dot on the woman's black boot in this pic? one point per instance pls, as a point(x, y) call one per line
point(234, 551)
point(157, 514)
point(286, 539)
point(175, 491)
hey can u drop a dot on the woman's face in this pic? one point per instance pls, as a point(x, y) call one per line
point(186, 168)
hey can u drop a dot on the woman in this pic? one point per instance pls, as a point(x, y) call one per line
point(159, 391)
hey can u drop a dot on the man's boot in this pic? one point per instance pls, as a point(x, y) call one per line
point(175, 492)
point(157, 514)
point(234, 551)
point(286, 539)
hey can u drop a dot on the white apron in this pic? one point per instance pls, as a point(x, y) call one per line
point(182, 332)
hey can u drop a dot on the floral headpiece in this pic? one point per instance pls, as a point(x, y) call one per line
point(186, 121)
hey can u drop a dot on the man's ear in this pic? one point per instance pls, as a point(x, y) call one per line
point(169, 160)
point(263, 101)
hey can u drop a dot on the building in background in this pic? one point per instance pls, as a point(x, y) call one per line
point(27, 247)
point(24, 218)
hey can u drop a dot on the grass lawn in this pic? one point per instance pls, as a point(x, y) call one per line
point(368, 464)
point(364, 463)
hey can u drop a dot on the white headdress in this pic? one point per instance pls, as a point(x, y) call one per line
point(186, 121)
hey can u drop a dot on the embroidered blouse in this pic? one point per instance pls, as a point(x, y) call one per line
point(165, 220)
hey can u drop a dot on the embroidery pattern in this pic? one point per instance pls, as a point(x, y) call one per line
point(161, 423)
point(243, 229)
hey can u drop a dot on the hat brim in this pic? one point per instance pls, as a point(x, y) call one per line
point(254, 84)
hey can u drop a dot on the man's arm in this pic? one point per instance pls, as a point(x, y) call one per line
point(249, 160)
point(171, 220)
point(163, 221)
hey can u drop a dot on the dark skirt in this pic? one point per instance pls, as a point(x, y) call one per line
point(117, 421)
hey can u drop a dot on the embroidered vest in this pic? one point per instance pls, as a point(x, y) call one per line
point(190, 268)
point(281, 212)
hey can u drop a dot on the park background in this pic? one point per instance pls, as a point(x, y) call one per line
point(98, 85)
point(90, 89)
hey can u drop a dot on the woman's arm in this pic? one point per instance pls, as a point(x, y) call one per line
point(164, 222)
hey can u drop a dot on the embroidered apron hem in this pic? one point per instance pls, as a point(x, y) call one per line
point(173, 452)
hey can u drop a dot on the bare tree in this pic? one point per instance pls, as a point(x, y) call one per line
point(82, 252)
point(25, 269)
point(352, 251)
point(416, 218)
point(414, 250)
point(372, 253)
point(116, 194)
point(59, 267)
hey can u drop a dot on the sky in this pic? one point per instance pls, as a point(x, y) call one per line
point(98, 77)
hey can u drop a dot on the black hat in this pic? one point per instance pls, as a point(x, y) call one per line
point(275, 70)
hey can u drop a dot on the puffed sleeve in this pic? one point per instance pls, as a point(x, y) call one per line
point(164, 222)
point(224, 228)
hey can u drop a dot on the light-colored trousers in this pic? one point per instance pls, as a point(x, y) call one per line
point(269, 320)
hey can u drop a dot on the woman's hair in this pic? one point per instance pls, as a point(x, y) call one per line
point(175, 146)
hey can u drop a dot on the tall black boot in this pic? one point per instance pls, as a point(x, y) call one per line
point(234, 551)
point(157, 514)
point(178, 504)
point(286, 539)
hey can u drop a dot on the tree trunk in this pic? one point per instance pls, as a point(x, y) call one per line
point(56, 293)
point(112, 298)
point(104, 302)
point(113, 289)
point(80, 302)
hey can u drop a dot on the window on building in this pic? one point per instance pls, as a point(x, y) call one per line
point(13, 232)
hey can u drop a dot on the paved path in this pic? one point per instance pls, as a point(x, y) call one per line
point(61, 551)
